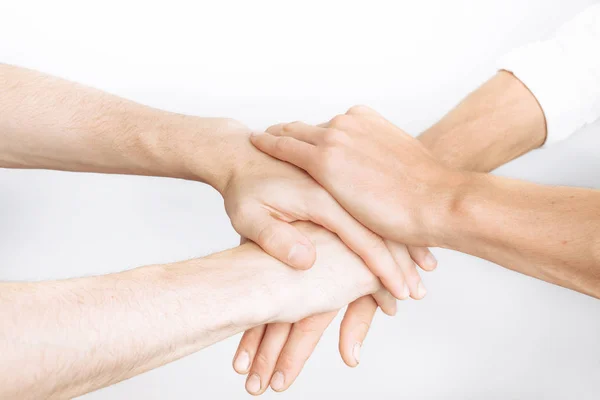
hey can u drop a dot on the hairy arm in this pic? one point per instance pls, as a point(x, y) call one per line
point(60, 339)
point(50, 123)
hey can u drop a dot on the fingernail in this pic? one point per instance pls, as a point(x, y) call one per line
point(255, 134)
point(356, 352)
point(421, 291)
point(242, 362)
point(253, 384)
point(298, 256)
point(430, 260)
point(405, 292)
point(277, 381)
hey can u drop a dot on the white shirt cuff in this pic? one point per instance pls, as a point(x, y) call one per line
point(563, 73)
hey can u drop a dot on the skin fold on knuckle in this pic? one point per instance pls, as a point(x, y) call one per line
point(282, 145)
point(261, 363)
point(289, 365)
point(267, 236)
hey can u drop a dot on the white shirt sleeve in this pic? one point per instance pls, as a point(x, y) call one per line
point(563, 73)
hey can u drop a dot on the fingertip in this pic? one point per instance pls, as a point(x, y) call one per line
point(392, 311)
point(430, 262)
point(241, 362)
point(421, 291)
point(278, 382)
point(350, 353)
point(424, 258)
point(253, 385)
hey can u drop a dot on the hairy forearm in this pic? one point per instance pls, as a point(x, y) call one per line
point(498, 122)
point(64, 338)
point(550, 233)
point(50, 123)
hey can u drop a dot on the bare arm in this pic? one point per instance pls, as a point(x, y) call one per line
point(550, 233)
point(498, 122)
point(387, 179)
point(50, 123)
point(60, 339)
point(547, 232)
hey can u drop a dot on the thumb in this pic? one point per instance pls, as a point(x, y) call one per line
point(277, 238)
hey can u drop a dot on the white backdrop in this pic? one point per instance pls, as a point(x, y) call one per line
point(483, 332)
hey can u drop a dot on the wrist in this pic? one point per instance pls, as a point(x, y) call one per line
point(261, 288)
point(188, 147)
point(445, 219)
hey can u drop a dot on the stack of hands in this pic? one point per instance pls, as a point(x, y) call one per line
point(340, 175)
point(336, 214)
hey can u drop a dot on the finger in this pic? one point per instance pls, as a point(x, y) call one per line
point(423, 257)
point(369, 246)
point(409, 269)
point(297, 152)
point(301, 131)
point(278, 238)
point(264, 361)
point(386, 302)
point(275, 128)
point(354, 329)
point(301, 342)
point(247, 349)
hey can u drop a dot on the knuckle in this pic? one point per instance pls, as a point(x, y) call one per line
point(362, 325)
point(340, 121)
point(282, 144)
point(261, 361)
point(287, 362)
point(309, 325)
point(358, 109)
point(275, 128)
point(375, 244)
point(267, 235)
point(292, 126)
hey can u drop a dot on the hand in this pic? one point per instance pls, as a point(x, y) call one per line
point(296, 342)
point(262, 196)
point(384, 177)
point(274, 354)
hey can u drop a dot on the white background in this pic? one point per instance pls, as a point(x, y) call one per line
point(483, 332)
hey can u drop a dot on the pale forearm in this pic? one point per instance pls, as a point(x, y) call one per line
point(50, 123)
point(498, 122)
point(61, 339)
point(550, 233)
